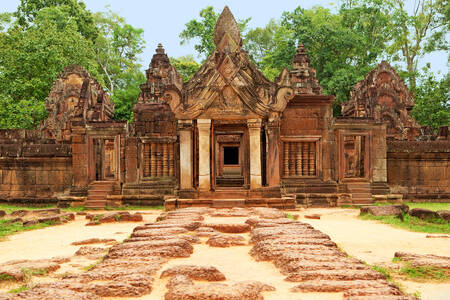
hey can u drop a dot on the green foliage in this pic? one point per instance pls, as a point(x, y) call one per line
point(23, 288)
point(383, 271)
point(28, 11)
point(425, 272)
point(186, 66)
point(432, 100)
point(415, 34)
point(412, 223)
point(134, 207)
point(6, 277)
point(30, 61)
point(7, 228)
point(116, 52)
point(203, 30)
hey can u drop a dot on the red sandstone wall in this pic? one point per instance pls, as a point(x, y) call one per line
point(419, 170)
point(31, 171)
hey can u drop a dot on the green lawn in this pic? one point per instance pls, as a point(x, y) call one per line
point(428, 205)
point(7, 228)
point(412, 223)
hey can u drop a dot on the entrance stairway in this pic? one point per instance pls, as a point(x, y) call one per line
point(361, 192)
point(97, 193)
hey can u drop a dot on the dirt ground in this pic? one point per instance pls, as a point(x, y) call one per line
point(367, 240)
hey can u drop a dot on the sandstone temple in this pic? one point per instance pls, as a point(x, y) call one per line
point(227, 137)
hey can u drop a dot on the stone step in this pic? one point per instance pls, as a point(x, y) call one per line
point(95, 204)
point(98, 193)
point(96, 197)
point(362, 195)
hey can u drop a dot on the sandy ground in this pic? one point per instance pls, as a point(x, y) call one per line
point(376, 243)
point(368, 240)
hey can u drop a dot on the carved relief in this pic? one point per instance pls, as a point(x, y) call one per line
point(74, 94)
point(383, 95)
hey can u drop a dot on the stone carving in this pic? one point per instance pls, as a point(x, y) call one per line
point(303, 78)
point(383, 96)
point(74, 94)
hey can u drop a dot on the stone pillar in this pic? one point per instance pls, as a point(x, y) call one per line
point(254, 130)
point(185, 129)
point(204, 175)
point(273, 153)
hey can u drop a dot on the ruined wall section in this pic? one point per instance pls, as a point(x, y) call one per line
point(33, 170)
point(419, 170)
point(36, 165)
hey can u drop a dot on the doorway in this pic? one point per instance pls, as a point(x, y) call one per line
point(229, 159)
point(105, 159)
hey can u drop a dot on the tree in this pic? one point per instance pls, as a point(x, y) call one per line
point(186, 66)
point(125, 98)
point(28, 10)
point(432, 100)
point(31, 59)
point(343, 47)
point(203, 31)
point(424, 31)
point(260, 40)
point(117, 48)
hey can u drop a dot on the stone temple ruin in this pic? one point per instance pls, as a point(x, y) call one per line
point(228, 137)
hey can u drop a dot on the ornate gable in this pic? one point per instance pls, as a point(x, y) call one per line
point(383, 96)
point(228, 84)
point(75, 94)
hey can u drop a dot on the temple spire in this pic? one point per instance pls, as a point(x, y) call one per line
point(226, 29)
point(303, 76)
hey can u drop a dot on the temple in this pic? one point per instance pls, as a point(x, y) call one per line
point(227, 137)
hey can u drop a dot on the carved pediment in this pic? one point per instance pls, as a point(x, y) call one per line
point(383, 95)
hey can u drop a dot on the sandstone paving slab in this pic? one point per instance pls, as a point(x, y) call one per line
point(419, 260)
point(208, 273)
point(223, 240)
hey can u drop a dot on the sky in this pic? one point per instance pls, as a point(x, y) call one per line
point(163, 20)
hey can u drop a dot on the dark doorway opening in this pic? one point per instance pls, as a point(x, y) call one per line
point(231, 155)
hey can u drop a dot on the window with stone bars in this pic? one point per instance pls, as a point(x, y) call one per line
point(158, 159)
point(299, 158)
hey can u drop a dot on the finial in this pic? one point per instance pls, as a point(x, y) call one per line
point(160, 49)
point(301, 59)
point(226, 23)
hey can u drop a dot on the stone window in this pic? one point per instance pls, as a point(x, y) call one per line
point(299, 158)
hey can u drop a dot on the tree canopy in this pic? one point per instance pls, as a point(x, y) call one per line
point(43, 36)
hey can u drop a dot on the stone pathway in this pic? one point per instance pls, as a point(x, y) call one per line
point(258, 254)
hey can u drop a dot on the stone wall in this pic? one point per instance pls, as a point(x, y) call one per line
point(31, 169)
point(419, 170)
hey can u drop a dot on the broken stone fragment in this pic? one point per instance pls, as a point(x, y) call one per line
point(424, 214)
point(93, 241)
point(229, 228)
point(208, 273)
point(226, 241)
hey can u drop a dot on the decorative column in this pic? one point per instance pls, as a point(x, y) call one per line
point(204, 127)
point(273, 153)
point(254, 130)
point(185, 129)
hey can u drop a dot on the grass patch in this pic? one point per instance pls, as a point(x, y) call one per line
point(412, 223)
point(134, 207)
point(385, 271)
point(350, 206)
point(7, 228)
point(427, 205)
point(289, 216)
point(8, 208)
point(6, 277)
point(425, 272)
point(23, 288)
